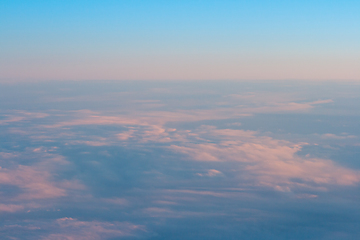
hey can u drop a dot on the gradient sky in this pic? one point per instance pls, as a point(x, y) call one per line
point(73, 40)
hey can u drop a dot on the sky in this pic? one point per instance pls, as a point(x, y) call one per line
point(106, 160)
point(179, 40)
point(166, 120)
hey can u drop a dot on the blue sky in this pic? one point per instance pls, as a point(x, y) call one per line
point(179, 40)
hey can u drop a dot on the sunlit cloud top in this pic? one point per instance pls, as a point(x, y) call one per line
point(179, 40)
point(94, 160)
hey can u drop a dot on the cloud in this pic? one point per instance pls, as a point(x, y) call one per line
point(297, 172)
point(117, 201)
point(322, 101)
point(126, 135)
point(337, 137)
point(97, 120)
point(91, 143)
point(11, 119)
point(210, 173)
point(34, 183)
point(267, 102)
point(264, 160)
point(8, 155)
point(73, 229)
point(36, 180)
point(267, 161)
point(149, 126)
point(18, 116)
point(68, 228)
point(10, 207)
point(197, 192)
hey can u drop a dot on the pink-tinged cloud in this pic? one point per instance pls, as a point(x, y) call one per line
point(149, 125)
point(126, 135)
point(117, 201)
point(337, 137)
point(197, 192)
point(18, 116)
point(285, 107)
point(268, 162)
point(103, 142)
point(307, 196)
point(10, 208)
point(11, 119)
point(73, 229)
point(321, 102)
point(266, 102)
point(97, 120)
point(36, 180)
point(35, 184)
point(318, 171)
point(6, 155)
point(210, 173)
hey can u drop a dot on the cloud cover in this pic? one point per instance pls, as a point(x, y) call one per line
point(192, 161)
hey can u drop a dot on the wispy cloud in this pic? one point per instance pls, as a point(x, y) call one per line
point(35, 181)
point(337, 137)
point(10, 207)
point(18, 116)
point(210, 173)
point(36, 184)
point(70, 228)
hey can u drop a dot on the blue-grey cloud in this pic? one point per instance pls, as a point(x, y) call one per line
point(175, 160)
